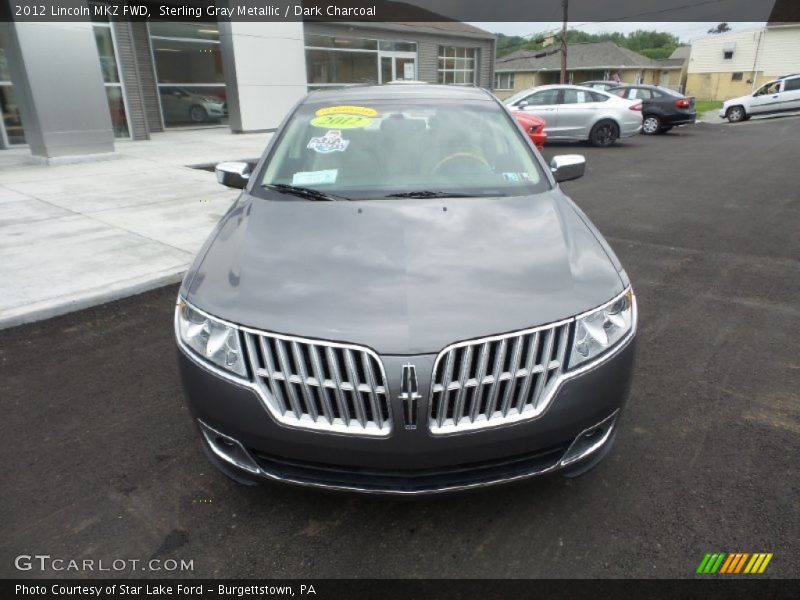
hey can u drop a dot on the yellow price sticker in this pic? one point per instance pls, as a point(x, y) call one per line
point(341, 121)
point(347, 110)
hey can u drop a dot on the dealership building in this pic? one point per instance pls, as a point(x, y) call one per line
point(69, 89)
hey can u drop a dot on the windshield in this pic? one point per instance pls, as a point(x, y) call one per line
point(403, 148)
point(517, 97)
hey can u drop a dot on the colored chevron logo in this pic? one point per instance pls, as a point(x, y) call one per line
point(734, 563)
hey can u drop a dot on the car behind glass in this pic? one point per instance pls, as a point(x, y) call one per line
point(398, 303)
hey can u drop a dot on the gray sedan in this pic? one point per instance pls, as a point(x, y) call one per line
point(575, 113)
point(398, 303)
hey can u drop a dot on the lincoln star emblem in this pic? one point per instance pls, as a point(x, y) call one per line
point(409, 395)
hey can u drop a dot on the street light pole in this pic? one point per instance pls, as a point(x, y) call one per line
point(564, 5)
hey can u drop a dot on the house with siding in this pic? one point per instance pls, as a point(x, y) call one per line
point(586, 61)
point(735, 63)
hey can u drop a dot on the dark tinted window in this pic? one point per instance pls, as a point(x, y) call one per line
point(792, 84)
point(598, 97)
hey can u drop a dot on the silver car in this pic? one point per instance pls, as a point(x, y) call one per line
point(575, 113)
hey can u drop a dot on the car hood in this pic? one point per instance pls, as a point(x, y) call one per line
point(739, 100)
point(401, 276)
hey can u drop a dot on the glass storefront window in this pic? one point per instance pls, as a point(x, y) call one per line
point(183, 62)
point(4, 73)
point(193, 31)
point(332, 67)
point(398, 46)
point(190, 76)
point(193, 105)
point(325, 41)
point(11, 131)
point(12, 121)
point(105, 50)
point(457, 65)
point(116, 107)
point(332, 61)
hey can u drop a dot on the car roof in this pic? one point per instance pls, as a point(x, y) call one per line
point(388, 92)
point(639, 85)
point(559, 86)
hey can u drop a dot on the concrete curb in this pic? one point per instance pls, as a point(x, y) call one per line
point(54, 307)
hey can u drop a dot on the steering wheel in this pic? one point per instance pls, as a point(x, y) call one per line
point(460, 156)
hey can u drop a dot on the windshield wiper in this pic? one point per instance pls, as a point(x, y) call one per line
point(427, 194)
point(304, 192)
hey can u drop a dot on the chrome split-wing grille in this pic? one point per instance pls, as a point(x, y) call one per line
point(320, 385)
point(496, 380)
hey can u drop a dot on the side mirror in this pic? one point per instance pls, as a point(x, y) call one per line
point(568, 166)
point(233, 174)
point(522, 104)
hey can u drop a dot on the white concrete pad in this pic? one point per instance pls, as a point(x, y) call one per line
point(76, 235)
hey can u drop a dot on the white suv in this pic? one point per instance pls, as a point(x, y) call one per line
point(776, 96)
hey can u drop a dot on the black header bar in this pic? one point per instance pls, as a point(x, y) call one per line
point(774, 11)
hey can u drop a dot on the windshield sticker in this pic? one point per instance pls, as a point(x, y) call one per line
point(511, 177)
point(341, 121)
point(332, 141)
point(315, 177)
point(361, 111)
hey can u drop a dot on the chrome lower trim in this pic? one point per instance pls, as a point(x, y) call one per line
point(235, 453)
point(609, 423)
point(557, 466)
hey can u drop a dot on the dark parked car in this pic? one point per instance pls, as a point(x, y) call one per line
point(397, 303)
point(662, 108)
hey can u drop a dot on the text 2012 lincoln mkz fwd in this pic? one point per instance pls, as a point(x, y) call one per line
point(403, 300)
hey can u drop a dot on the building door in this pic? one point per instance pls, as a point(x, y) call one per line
point(398, 66)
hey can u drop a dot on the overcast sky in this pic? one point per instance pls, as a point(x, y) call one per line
point(684, 31)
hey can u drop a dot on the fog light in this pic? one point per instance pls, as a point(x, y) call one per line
point(590, 440)
point(228, 449)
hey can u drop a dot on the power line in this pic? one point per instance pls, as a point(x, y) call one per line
point(646, 13)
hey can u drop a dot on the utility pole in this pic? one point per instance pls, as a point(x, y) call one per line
point(564, 5)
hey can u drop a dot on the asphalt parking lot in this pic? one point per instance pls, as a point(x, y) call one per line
point(100, 459)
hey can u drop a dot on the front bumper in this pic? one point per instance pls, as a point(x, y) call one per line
point(539, 139)
point(215, 110)
point(411, 461)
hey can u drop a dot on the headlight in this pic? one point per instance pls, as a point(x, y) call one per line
point(603, 328)
point(213, 340)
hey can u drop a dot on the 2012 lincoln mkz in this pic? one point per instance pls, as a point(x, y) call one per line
point(403, 300)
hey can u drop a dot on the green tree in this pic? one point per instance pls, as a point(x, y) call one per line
point(653, 44)
point(721, 28)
